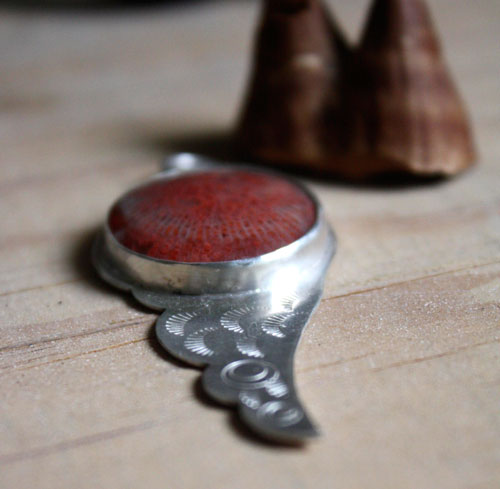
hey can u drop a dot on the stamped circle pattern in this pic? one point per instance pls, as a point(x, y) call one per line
point(249, 374)
point(245, 344)
point(282, 413)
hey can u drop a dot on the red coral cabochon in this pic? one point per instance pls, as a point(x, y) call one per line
point(212, 216)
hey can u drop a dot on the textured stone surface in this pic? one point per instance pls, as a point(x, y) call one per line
point(212, 216)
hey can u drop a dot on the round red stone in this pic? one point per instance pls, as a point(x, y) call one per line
point(212, 216)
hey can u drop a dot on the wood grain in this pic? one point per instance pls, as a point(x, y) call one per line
point(400, 364)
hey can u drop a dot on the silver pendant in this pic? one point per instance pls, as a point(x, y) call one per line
point(240, 318)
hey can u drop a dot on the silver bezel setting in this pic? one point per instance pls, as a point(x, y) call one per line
point(145, 275)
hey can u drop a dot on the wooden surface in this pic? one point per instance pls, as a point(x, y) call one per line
point(401, 363)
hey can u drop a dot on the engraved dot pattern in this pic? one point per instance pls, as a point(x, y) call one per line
point(212, 216)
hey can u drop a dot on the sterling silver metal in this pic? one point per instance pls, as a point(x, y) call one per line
point(240, 319)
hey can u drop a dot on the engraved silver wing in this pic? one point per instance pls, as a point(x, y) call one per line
point(247, 344)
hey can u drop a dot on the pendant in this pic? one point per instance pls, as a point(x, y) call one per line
point(235, 257)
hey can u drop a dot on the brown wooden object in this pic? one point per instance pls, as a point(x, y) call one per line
point(389, 105)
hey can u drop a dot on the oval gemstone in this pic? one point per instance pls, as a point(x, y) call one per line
point(212, 216)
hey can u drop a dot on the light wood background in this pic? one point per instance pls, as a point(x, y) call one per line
point(401, 363)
